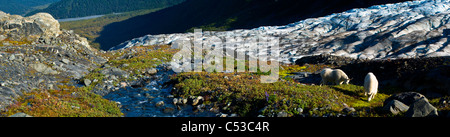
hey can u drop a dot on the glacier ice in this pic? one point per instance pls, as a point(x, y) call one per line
point(401, 30)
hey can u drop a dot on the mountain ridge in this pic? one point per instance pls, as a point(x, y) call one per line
point(81, 8)
point(21, 7)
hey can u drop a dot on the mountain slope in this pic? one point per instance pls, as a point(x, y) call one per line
point(401, 30)
point(225, 15)
point(21, 7)
point(81, 8)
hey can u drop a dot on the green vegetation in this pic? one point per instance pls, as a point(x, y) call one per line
point(437, 102)
point(91, 28)
point(240, 93)
point(145, 57)
point(94, 75)
point(248, 95)
point(70, 101)
point(220, 26)
point(7, 41)
point(81, 8)
point(287, 70)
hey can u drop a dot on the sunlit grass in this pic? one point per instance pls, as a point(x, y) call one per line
point(70, 101)
point(249, 95)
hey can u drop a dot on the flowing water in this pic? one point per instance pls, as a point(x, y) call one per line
point(146, 101)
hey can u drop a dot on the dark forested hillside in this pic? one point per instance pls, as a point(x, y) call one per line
point(225, 15)
point(21, 7)
point(80, 8)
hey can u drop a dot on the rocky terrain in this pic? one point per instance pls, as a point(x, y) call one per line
point(46, 71)
point(36, 54)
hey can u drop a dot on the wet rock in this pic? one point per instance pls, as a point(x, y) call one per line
point(169, 109)
point(147, 95)
point(196, 100)
point(201, 107)
point(180, 101)
point(184, 101)
point(175, 101)
point(138, 83)
point(152, 71)
point(137, 95)
point(159, 104)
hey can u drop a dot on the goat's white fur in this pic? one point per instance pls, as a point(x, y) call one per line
point(370, 86)
point(336, 76)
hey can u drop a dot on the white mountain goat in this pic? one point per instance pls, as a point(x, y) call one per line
point(370, 86)
point(335, 76)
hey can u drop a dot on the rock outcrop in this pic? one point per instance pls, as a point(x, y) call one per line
point(40, 28)
point(412, 104)
point(395, 107)
point(422, 108)
point(41, 25)
point(36, 54)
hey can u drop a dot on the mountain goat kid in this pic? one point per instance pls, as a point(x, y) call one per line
point(335, 76)
point(370, 86)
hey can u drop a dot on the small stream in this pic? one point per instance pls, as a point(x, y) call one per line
point(147, 101)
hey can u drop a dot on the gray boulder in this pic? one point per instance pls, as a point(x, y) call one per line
point(7, 96)
point(395, 107)
point(42, 68)
point(8, 92)
point(40, 25)
point(152, 71)
point(87, 82)
point(114, 71)
point(65, 61)
point(406, 98)
point(421, 108)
